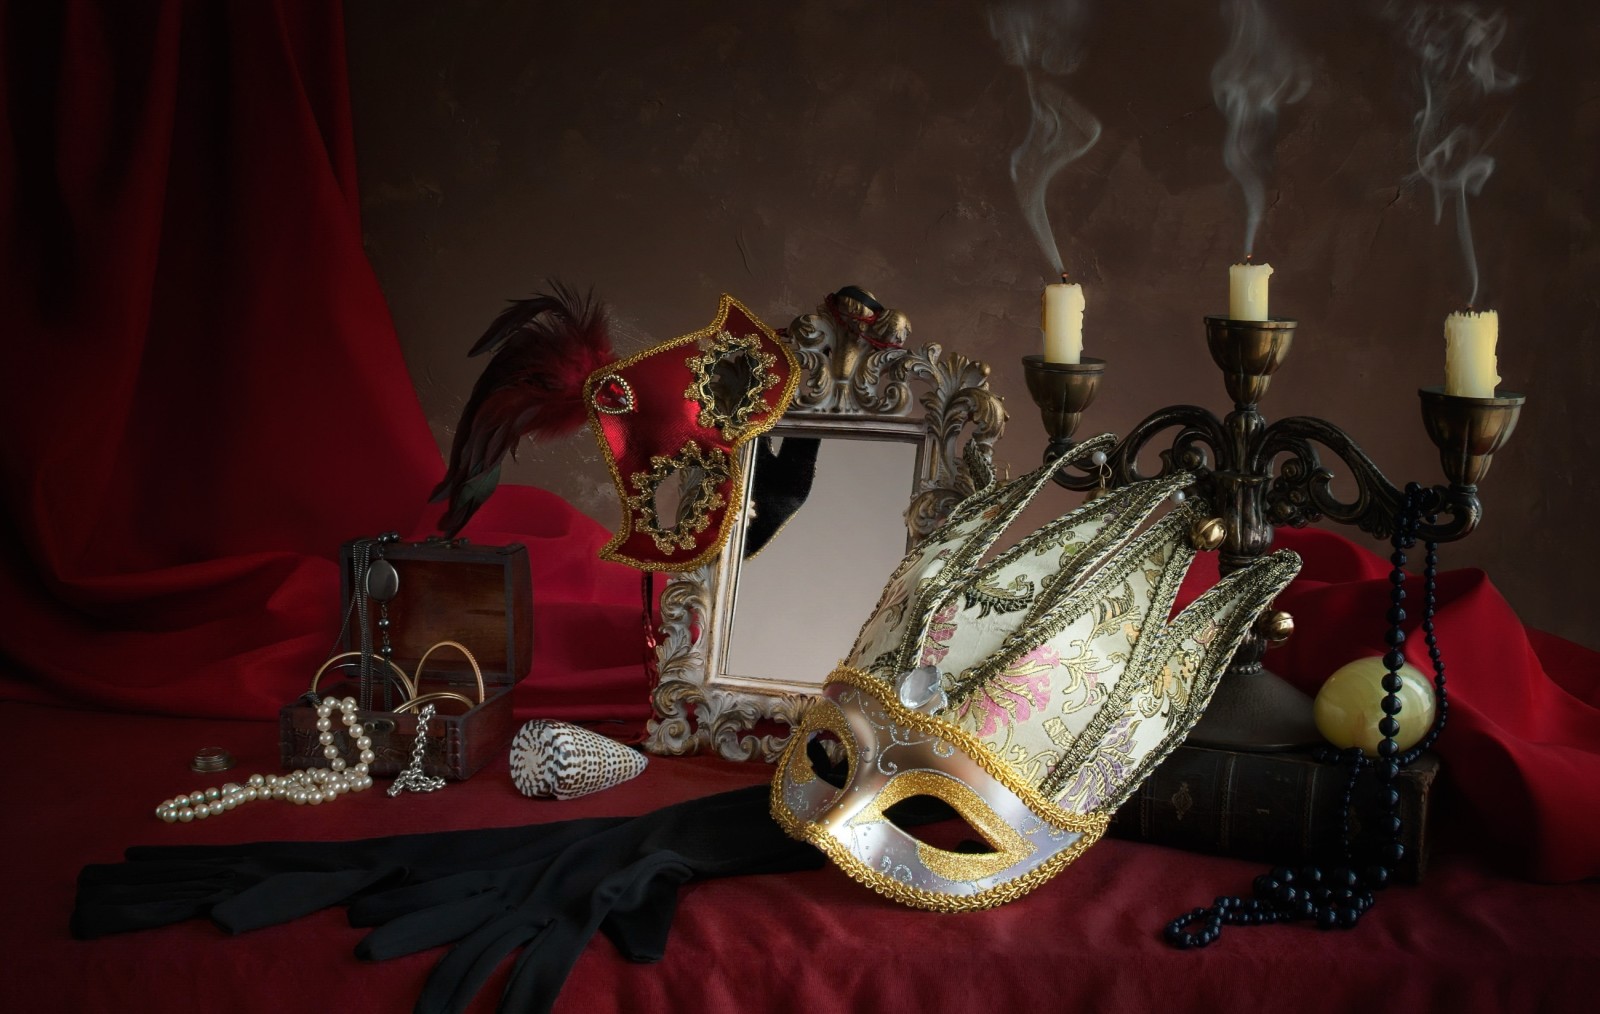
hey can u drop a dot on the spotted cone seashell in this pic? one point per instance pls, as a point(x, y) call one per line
point(565, 761)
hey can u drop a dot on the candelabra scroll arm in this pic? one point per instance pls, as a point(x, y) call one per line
point(1302, 493)
point(1200, 432)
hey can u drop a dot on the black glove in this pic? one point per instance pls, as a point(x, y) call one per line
point(244, 887)
point(622, 879)
point(544, 889)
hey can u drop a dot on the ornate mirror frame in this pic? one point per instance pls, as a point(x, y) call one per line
point(858, 378)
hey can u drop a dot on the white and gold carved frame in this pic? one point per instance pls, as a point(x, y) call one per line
point(856, 377)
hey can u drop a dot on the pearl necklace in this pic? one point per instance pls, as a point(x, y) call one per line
point(306, 786)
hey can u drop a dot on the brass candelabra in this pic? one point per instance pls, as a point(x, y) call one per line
point(1259, 475)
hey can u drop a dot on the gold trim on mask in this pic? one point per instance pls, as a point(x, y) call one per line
point(1009, 847)
point(694, 511)
point(704, 367)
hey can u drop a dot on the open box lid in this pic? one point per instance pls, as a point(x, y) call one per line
point(450, 590)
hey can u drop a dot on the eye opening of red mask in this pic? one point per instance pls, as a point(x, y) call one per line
point(731, 378)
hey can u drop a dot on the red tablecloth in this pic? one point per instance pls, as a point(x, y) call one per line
point(1466, 940)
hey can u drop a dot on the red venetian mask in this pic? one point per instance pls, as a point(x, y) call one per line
point(670, 422)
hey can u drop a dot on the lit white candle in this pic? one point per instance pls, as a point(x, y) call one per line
point(1247, 291)
point(1470, 363)
point(1063, 322)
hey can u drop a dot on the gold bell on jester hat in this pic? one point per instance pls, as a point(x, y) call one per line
point(1031, 692)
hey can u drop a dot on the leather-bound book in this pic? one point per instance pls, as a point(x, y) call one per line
point(1274, 807)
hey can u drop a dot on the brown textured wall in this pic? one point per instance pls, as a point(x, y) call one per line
point(668, 152)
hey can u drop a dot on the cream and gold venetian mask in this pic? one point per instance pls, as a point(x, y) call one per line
point(1031, 692)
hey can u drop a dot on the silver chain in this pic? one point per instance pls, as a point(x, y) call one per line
point(413, 778)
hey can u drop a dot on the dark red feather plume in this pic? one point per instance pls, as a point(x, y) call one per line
point(544, 349)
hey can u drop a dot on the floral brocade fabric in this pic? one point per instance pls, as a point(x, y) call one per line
point(1042, 651)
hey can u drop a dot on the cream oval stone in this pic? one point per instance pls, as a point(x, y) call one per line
point(1350, 704)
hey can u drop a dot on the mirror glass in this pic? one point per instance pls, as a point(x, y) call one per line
point(799, 602)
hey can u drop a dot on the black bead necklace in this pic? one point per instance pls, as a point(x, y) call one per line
point(1338, 896)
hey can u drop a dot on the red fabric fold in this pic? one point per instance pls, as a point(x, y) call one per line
point(205, 397)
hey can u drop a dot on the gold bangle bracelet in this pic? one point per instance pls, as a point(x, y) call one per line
point(471, 660)
point(398, 674)
point(434, 696)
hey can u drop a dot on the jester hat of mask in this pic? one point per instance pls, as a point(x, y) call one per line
point(1031, 693)
point(677, 415)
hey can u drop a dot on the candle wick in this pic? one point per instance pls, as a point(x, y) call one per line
point(1063, 277)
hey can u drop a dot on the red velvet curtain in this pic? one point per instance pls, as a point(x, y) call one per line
point(202, 393)
point(202, 396)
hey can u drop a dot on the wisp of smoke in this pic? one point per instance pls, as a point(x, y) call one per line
point(1042, 38)
point(1455, 50)
point(1254, 76)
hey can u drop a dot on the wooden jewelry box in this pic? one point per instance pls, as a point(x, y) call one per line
point(480, 597)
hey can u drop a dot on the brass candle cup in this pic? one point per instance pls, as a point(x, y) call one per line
point(1248, 352)
point(1063, 392)
point(1468, 431)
